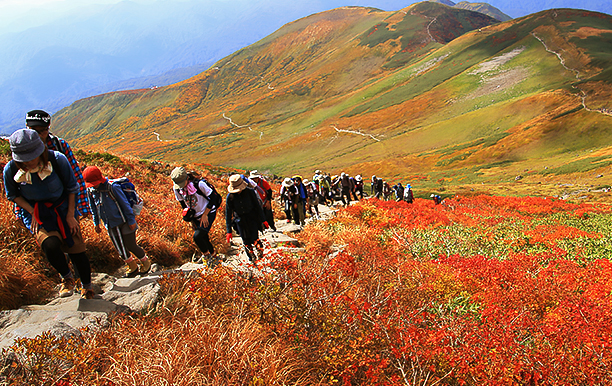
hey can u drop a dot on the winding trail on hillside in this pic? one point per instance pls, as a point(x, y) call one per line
point(429, 32)
point(355, 132)
point(583, 95)
point(241, 126)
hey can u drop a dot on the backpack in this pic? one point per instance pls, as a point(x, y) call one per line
point(214, 198)
point(130, 193)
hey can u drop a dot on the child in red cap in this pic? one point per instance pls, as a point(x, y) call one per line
point(109, 203)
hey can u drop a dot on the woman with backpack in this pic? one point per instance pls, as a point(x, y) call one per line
point(109, 204)
point(42, 182)
point(200, 202)
point(242, 210)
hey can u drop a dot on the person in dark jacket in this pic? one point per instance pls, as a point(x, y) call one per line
point(242, 210)
point(109, 204)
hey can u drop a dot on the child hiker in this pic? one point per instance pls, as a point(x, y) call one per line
point(108, 203)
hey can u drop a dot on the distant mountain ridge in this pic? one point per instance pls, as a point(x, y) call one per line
point(485, 8)
point(396, 94)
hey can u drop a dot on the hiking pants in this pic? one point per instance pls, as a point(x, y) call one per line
point(125, 242)
point(200, 236)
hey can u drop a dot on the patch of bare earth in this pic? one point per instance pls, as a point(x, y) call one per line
point(492, 79)
point(585, 32)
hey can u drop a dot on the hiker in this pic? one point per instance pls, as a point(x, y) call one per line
point(408, 195)
point(323, 186)
point(359, 186)
point(387, 191)
point(286, 195)
point(345, 189)
point(243, 213)
point(436, 199)
point(42, 183)
point(352, 183)
point(312, 202)
point(200, 202)
point(377, 187)
point(40, 121)
point(399, 191)
point(264, 191)
point(109, 204)
point(300, 201)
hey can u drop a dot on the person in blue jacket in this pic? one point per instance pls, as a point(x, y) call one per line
point(42, 182)
point(109, 204)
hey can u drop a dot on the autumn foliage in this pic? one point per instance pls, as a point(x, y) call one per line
point(481, 290)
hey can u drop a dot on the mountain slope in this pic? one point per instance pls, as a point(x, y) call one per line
point(397, 94)
point(485, 8)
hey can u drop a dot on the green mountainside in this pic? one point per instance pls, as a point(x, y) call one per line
point(429, 92)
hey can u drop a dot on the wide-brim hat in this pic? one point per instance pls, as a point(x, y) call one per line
point(358, 177)
point(179, 177)
point(254, 174)
point(236, 184)
point(93, 176)
point(26, 145)
point(287, 182)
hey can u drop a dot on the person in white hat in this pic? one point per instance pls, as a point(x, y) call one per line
point(244, 214)
point(288, 194)
point(408, 195)
point(200, 201)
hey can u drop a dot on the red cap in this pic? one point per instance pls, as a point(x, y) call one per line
point(93, 176)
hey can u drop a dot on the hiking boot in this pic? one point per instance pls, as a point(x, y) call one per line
point(67, 288)
point(132, 267)
point(87, 293)
point(145, 264)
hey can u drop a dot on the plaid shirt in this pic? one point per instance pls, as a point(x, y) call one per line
point(81, 202)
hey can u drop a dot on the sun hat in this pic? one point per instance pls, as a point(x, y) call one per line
point(317, 171)
point(93, 176)
point(297, 177)
point(287, 182)
point(254, 174)
point(305, 182)
point(26, 145)
point(179, 177)
point(38, 118)
point(358, 177)
point(236, 184)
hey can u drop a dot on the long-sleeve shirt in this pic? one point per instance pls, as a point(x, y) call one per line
point(113, 211)
point(60, 182)
point(81, 203)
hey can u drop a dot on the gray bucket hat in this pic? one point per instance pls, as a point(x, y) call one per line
point(26, 145)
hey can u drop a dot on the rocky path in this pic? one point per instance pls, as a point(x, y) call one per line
point(68, 316)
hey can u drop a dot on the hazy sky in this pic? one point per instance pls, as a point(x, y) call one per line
point(17, 15)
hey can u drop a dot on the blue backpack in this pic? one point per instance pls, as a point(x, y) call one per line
point(130, 193)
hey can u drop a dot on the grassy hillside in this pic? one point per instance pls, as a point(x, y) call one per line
point(425, 94)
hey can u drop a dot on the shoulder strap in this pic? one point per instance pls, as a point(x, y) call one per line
point(56, 167)
point(112, 196)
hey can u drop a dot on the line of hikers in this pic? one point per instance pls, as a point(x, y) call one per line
point(51, 194)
